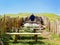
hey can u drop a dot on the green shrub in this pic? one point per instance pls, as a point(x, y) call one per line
point(5, 39)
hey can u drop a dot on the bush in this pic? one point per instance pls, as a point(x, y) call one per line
point(5, 39)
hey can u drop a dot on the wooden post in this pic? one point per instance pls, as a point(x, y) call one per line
point(15, 40)
point(35, 36)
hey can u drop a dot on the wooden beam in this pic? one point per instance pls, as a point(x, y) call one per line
point(24, 33)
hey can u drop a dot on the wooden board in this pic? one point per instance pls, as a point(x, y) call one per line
point(24, 33)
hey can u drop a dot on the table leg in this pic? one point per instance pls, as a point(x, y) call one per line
point(15, 40)
point(35, 36)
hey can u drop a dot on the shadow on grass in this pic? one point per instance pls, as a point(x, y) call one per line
point(31, 37)
point(28, 42)
point(33, 42)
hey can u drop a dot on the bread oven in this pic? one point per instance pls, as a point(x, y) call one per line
point(34, 22)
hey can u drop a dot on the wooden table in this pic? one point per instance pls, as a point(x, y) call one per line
point(35, 35)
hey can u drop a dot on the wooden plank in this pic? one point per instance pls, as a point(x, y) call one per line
point(24, 33)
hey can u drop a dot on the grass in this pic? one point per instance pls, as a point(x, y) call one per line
point(50, 16)
point(29, 40)
point(55, 37)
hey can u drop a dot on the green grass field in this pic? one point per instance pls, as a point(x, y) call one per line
point(51, 16)
point(29, 40)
